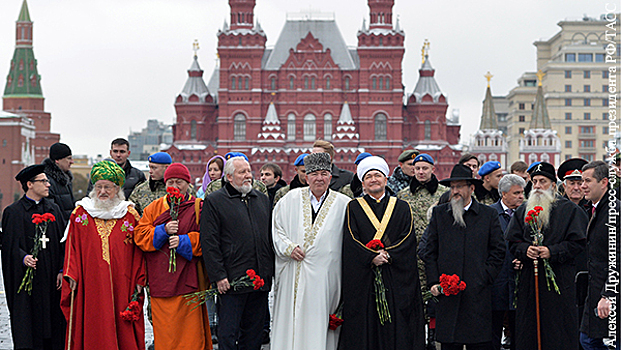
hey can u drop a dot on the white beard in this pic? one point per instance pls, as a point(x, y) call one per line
point(457, 207)
point(245, 188)
point(544, 199)
point(107, 204)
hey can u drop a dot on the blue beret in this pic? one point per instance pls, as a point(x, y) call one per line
point(300, 159)
point(423, 157)
point(160, 158)
point(530, 167)
point(235, 154)
point(361, 156)
point(489, 167)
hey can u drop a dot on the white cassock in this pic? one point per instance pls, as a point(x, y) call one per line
point(308, 291)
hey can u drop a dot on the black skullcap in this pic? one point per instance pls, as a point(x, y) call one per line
point(59, 151)
point(28, 173)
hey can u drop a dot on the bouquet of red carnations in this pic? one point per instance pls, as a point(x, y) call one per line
point(41, 221)
point(380, 289)
point(250, 279)
point(175, 197)
point(132, 312)
point(531, 219)
point(449, 285)
point(336, 319)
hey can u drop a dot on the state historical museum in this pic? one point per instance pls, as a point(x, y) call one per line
point(273, 103)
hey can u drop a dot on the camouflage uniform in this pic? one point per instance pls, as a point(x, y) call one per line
point(217, 184)
point(142, 195)
point(346, 190)
point(420, 201)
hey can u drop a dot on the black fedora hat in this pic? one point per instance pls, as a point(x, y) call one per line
point(460, 172)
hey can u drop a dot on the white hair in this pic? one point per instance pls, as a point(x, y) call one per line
point(107, 204)
point(509, 181)
point(229, 167)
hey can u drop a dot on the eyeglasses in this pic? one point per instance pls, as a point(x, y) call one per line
point(106, 188)
point(43, 181)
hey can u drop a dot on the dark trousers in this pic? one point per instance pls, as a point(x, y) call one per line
point(477, 346)
point(497, 325)
point(241, 320)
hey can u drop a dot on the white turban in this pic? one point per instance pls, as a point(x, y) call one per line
point(372, 163)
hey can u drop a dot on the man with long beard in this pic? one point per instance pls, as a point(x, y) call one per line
point(563, 226)
point(463, 238)
point(103, 266)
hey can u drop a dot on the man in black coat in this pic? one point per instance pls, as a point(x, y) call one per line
point(564, 225)
point(235, 237)
point(57, 171)
point(37, 321)
point(463, 238)
point(379, 216)
point(511, 189)
point(601, 289)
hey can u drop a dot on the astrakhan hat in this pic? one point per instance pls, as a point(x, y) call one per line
point(317, 161)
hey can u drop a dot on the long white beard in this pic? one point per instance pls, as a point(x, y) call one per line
point(107, 204)
point(544, 199)
point(457, 207)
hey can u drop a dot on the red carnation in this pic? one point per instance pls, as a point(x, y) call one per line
point(538, 208)
point(375, 244)
point(528, 218)
point(335, 322)
point(251, 273)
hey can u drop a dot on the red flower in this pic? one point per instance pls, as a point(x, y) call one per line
point(375, 244)
point(49, 217)
point(251, 273)
point(528, 218)
point(335, 322)
point(451, 285)
point(258, 283)
point(538, 209)
point(532, 213)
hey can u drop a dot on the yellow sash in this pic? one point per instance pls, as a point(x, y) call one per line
point(379, 226)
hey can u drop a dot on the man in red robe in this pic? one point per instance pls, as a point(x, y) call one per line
point(103, 266)
point(176, 325)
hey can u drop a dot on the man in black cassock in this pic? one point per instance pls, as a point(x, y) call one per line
point(463, 238)
point(362, 329)
point(564, 225)
point(36, 320)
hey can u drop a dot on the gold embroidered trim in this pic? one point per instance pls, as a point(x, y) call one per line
point(104, 228)
point(379, 226)
point(310, 230)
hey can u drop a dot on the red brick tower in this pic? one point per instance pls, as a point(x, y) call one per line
point(22, 93)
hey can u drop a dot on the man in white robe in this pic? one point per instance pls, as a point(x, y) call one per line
point(307, 233)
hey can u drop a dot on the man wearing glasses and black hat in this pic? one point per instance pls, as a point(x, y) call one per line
point(36, 318)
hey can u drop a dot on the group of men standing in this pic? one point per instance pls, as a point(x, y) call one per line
point(370, 249)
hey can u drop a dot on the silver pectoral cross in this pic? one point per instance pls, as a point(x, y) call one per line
point(44, 241)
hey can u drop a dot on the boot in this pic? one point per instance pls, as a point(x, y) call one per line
point(431, 338)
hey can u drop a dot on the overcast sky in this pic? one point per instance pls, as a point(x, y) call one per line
point(108, 66)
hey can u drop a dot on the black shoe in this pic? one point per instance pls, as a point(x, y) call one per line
point(266, 337)
point(506, 344)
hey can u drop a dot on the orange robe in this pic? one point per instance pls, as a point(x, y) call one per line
point(102, 258)
point(175, 324)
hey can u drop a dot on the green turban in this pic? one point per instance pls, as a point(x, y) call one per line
point(108, 170)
